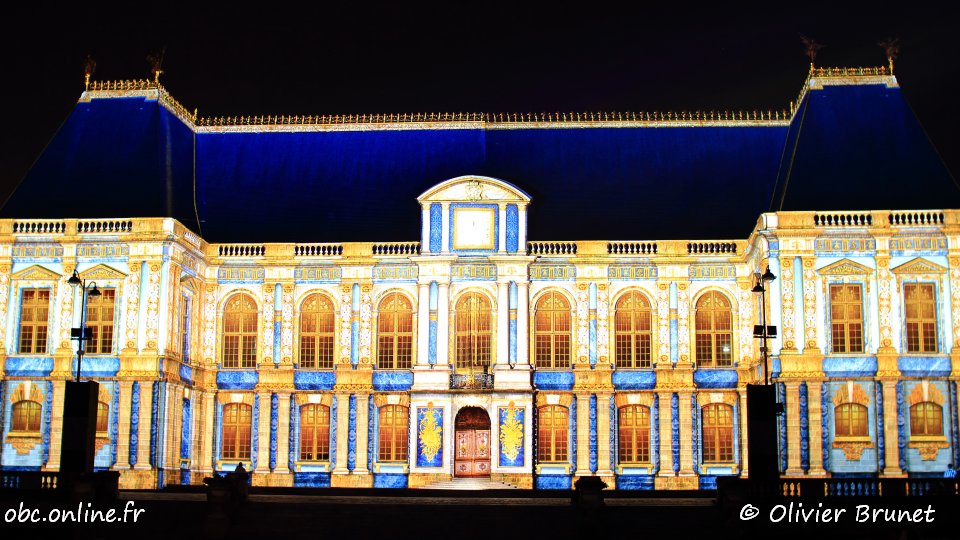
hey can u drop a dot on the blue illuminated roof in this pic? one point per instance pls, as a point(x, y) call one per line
point(851, 147)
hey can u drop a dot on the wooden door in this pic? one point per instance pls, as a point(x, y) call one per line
point(472, 458)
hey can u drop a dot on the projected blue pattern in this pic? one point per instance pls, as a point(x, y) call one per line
point(805, 429)
point(429, 437)
point(135, 421)
point(881, 436)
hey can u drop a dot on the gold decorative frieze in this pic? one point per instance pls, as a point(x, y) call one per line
point(112, 250)
point(663, 317)
point(918, 243)
point(845, 244)
point(23, 444)
point(853, 447)
point(102, 272)
point(925, 392)
point(713, 271)
point(928, 446)
point(632, 272)
point(317, 273)
point(683, 322)
point(395, 272)
point(473, 271)
point(583, 323)
point(845, 267)
point(809, 304)
point(36, 251)
point(884, 307)
point(240, 273)
point(919, 266)
point(787, 298)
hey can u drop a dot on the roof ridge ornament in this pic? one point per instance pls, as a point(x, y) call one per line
point(891, 47)
point(156, 64)
point(89, 66)
point(812, 47)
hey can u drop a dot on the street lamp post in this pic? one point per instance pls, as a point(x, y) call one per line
point(82, 333)
point(762, 331)
point(762, 406)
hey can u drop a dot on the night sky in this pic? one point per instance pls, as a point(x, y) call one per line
point(401, 57)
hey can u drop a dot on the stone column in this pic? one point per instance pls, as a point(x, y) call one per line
point(523, 332)
point(792, 417)
point(503, 323)
point(263, 434)
point(815, 423)
point(423, 323)
point(443, 323)
point(686, 434)
point(891, 452)
point(666, 434)
point(583, 435)
point(604, 467)
point(143, 428)
point(203, 460)
point(360, 461)
point(56, 425)
point(123, 426)
point(343, 433)
point(283, 433)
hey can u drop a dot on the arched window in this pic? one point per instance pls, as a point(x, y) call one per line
point(713, 331)
point(552, 434)
point(103, 418)
point(395, 332)
point(846, 318)
point(634, 427)
point(240, 332)
point(26, 416)
point(236, 431)
point(552, 331)
point(314, 433)
point(632, 331)
point(316, 332)
point(100, 320)
point(34, 311)
point(717, 433)
point(473, 335)
point(926, 418)
point(393, 433)
point(921, 317)
point(851, 420)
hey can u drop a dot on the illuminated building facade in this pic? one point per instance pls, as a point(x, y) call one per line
point(251, 315)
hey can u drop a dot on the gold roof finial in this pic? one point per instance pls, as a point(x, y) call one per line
point(891, 46)
point(89, 66)
point(156, 64)
point(811, 47)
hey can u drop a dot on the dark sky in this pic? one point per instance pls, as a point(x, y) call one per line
point(412, 57)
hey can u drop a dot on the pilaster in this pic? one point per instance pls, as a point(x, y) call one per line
point(263, 435)
point(686, 434)
point(123, 426)
point(143, 426)
point(815, 411)
point(792, 417)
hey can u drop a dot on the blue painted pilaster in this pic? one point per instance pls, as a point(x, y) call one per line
point(695, 432)
point(436, 232)
point(47, 410)
point(513, 228)
point(274, 425)
point(573, 433)
point(675, 431)
point(293, 438)
point(655, 427)
point(255, 432)
point(114, 423)
point(186, 416)
point(352, 434)
point(154, 424)
point(371, 431)
point(881, 439)
point(825, 413)
point(954, 425)
point(901, 425)
point(804, 429)
point(782, 426)
point(593, 433)
point(217, 433)
point(613, 433)
point(134, 421)
point(333, 432)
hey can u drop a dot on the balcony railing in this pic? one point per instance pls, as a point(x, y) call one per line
point(471, 381)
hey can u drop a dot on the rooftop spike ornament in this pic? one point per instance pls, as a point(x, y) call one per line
point(156, 64)
point(811, 48)
point(89, 66)
point(891, 47)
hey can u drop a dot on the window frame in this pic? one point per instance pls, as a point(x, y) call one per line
point(398, 447)
point(906, 321)
point(715, 429)
point(633, 333)
point(97, 327)
point(847, 422)
point(316, 432)
point(488, 336)
point(557, 431)
point(844, 322)
point(34, 324)
point(635, 428)
point(713, 362)
point(928, 405)
point(317, 334)
point(553, 334)
point(246, 411)
point(242, 336)
point(19, 404)
point(395, 335)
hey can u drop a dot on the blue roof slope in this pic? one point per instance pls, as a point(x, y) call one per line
point(622, 183)
point(121, 157)
point(861, 148)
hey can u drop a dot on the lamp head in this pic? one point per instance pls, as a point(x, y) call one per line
point(74, 279)
point(768, 275)
point(95, 292)
point(758, 288)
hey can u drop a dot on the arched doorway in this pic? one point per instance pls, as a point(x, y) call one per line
point(472, 453)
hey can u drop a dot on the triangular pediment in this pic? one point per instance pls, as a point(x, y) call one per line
point(845, 267)
point(919, 266)
point(474, 189)
point(36, 272)
point(102, 271)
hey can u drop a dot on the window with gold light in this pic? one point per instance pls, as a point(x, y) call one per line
point(921, 317)
point(26, 416)
point(631, 331)
point(551, 334)
point(240, 332)
point(473, 332)
point(100, 312)
point(633, 423)
point(393, 422)
point(926, 418)
point(236, 431)
point(316, 332)
point(717, 425)
point(395, 332)
point(846, 318)
point(34, 315)
point(714, 337)
point(850, 420)
point(552, 434)
point(103, 418)
point(314, 432)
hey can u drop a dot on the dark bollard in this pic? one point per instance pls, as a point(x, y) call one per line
point(588, 492)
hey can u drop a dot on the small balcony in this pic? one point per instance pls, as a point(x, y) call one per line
point(471, 381)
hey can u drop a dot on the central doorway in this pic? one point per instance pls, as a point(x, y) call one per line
point(472, 453)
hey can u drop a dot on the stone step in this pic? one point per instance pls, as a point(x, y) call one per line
point(469, 484)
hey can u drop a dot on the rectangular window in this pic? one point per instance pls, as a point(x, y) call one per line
point(185, 329)
point(846, 318)
point(100, 321)
point(921, 317)
point(34, 313)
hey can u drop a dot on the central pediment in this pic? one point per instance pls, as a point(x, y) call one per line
point(474, 189)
